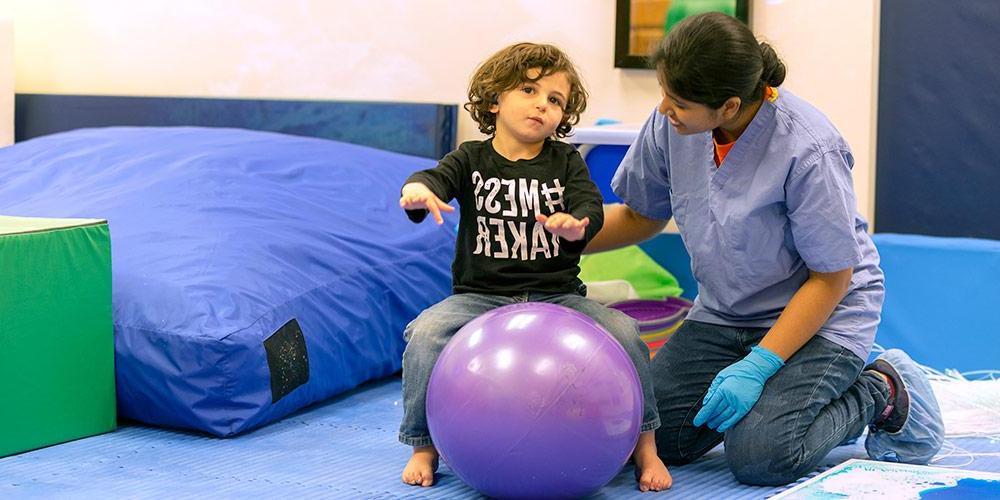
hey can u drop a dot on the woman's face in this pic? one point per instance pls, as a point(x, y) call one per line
point(688, 117)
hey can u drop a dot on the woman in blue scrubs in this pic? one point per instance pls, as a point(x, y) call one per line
point(771, 358)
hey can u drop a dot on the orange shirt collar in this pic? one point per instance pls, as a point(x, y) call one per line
point(721, 150)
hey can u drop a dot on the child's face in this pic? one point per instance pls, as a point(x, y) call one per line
point(530, 112)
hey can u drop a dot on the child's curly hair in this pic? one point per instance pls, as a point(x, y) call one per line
point(508, 68)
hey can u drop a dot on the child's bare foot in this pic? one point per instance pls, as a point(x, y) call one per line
point(649, 469)
point(419, 471)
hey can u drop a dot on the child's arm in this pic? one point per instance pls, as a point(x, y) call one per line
point(429, 191)
point(417, 196)
point(564, 225)
point(584, 214)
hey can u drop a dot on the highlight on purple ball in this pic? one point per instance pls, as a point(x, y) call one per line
point(534, 400)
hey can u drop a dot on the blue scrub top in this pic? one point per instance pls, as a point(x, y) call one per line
point(781, 203)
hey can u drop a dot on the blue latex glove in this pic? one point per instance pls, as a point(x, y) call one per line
point(736, 388)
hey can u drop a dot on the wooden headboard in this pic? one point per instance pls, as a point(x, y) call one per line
point(426, 130)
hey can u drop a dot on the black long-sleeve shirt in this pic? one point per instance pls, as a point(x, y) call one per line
point(501, 248)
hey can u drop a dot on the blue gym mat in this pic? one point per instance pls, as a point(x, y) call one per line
point(345, 448)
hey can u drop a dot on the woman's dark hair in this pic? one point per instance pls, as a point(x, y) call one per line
point(711, 57)
point(509, 68)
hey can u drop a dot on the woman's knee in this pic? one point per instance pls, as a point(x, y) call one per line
point(763, 462)
point(755, 475)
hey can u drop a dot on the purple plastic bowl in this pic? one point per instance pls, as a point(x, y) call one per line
point(652, 314)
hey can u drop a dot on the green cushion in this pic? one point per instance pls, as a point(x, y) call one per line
point(632, 264)
point(57, 375)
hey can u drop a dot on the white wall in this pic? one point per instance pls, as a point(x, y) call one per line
point(6, 81)
point(412, 50)
point(831, 50)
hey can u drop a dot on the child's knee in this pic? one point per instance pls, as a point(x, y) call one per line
point(621, 326)
point(421, 335)
point(423, 338)
point(627, 334)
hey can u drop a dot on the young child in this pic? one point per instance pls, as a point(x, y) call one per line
point(528, 208)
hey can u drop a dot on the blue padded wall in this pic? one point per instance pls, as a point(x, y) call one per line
point(941, 296)
point(942, 301)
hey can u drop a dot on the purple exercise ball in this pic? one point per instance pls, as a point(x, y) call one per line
point(534, 400)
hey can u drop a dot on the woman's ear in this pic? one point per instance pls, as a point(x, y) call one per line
point(731, 107)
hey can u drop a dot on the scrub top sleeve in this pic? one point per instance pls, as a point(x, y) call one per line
point(643, 180)
point(821, 207)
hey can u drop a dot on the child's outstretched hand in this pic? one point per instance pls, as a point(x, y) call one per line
point(565, 225)
point(417, 196)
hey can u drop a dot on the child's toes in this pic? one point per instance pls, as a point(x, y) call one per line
point(414, 477)
point(645, 483)
point(427, 479)
point(663, 484)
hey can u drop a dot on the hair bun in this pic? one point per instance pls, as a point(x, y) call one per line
point(773, 73)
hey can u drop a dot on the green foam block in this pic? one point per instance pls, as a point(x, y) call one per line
point(57, 379)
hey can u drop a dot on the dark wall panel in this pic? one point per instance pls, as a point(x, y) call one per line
point(938, 158)
point(416, 129)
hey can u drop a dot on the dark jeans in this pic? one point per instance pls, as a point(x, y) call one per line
point(818, 400)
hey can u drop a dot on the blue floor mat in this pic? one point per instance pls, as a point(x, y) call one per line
point(346, 448)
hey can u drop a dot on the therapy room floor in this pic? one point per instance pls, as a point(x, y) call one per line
point(345, 448)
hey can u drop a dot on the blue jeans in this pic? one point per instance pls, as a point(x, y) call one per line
point(818, 400)
point(427, 335)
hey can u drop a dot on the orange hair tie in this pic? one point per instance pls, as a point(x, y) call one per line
point(770, 93)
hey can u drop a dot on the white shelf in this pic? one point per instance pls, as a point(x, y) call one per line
point(619, 134)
